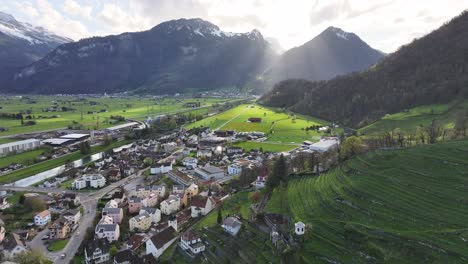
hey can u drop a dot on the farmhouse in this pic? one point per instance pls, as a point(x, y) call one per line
point(19, 146)
point(232, 225)
point(208, 172)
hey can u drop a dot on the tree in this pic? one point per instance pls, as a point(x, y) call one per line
point(279, 173)
point(433, 131)
point(85, 148)
point(35, 204)
point(350, 147)
point(31, 257)
point(220, 217)
point(461, 123)
point(400, 136)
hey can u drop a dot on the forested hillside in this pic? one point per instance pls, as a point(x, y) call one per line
point(433, 69)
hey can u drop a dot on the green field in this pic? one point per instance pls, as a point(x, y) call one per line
point(50, 164)
point(57, 245)
point(285, 130)
point(25, 158)
point(408, 121)
point(401, 206)
point(137, 108)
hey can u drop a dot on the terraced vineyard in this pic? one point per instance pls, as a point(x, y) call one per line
point(400, 206)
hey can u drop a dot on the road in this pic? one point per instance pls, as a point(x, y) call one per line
point(89, 201)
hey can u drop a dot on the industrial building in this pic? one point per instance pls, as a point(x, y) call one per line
point(19, 146)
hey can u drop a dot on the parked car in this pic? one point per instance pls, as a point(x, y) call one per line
point(64, 255)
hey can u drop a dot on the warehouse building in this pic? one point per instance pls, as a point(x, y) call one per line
point(19, 146)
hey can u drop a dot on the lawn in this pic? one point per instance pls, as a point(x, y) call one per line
point(284, 130)
point(93, 113)
point(25, 158)
point(401, 206)
point(50, 164)
point(409, 121)
point(57, 245)
point(7, 140)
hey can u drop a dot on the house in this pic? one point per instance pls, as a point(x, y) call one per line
point(13, 246)
point(201, 205)
point(116, 214)
point(151, 200)
point(141, 222)
point(191, 241)
point(191, 191)
point(114, 175)
point(224, 133)
point(169, 147)
point(89, 181)
point(178, 188)
point(134, 204)
point(135, 242)
point(97, 251)
point(144, 191)
point(190, 162)
point(260, 182)
point(60, 228)
point(234, 169)
point(170, 205)
point(42, 218)
point(112, 204)
point(254, 120)
point(73, 216)
point(160, 168)
point(232, 150)
point(232, 225)
point(158, 243)
point(154, 213)
point(204, 153)
point(127, 256)
point(71, 198)
point(210, 172)
point(109, 231)
point(186, 151)
point(181, 177)
point(325, 144)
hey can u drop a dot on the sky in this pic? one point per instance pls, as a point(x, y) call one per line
point(383, 24)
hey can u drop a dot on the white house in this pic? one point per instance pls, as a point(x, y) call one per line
point(116, 214)
point(170, 205)
point(204, 153)
point(209, 172)
point(112, 204)
point(192, 242)
point(190, 162)
point(234, 169)
point(73, 216)
point(109, 231)
point(201, 205)
point(158, 243)
point(154, 213)
point(160, 168)
point(42, 218)
point(232, 225)
point(89, 181)
point(97, 251)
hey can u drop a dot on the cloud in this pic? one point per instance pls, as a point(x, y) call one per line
point(72, 8)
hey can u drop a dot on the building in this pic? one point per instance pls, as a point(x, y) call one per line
point(97, 251)
point(201, 205)
point(109, 231)
point(210, 172)
point(134, 204)
point(154, 213)
point(112, 204)
point(191, 191)
point(158, 243)
point(178, 188)
point(169, 147)
point(190, 162)
point(234, 169)
point(71, 198)
point(191, 241)
point(2, 233)
point(73, 215)
point(135, 242)
point(170, 205)
point(224, 133)
point(94, 181)
point(13, 246)
point(254, 120)
point(204, 153)
point(151, 200)
point(114, 175)
point(161, 168)
point(127, 256)
point(42, 218)
point(19, 146)
point(232, 150)
point(76, 137)
point(325, 144)
point(60, 229)
point(181, 177)
point(232, 225)
point(144, 191)
point(57, 142)
point(141, 222)
point(116, 214)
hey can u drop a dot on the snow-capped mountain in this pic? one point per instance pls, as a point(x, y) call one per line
point(172, 57)
point(22, 43)
point(333, 52)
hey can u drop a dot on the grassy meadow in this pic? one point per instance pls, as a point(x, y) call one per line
point(137, 108)
point(400, 206)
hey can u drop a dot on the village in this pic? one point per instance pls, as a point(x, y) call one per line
point(144, 197)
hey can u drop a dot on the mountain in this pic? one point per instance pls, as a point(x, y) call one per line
point(432, 69)
point(275, 45)
point(21, 43)
point(333, 52)
point(174, 56)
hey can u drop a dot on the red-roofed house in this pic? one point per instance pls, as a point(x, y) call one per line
point(202, 205)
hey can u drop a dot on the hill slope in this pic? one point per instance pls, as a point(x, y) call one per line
point(22, 43)
point(169, 58)
point(333, 52)
point(430, 70)
point(405, 206)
